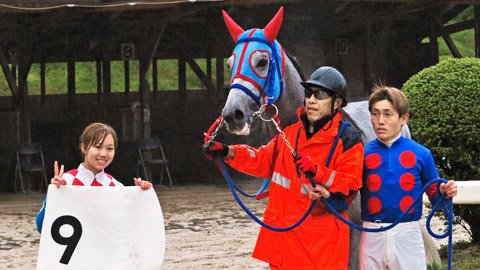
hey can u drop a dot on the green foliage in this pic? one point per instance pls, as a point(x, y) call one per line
point(465, 256)
point(445, 109)
point(435, 266)
point(4, 89)
point(465, 42)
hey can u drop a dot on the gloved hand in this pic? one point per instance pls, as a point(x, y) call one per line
point(214, 150)
point(306, 165)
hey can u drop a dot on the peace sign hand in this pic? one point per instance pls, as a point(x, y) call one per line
point(57, 178)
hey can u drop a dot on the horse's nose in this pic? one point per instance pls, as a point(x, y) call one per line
point(234, 116)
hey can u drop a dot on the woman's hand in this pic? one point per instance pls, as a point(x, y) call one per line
point(57, 177)
point(144, 185)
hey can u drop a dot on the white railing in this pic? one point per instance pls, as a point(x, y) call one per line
point(468, 193)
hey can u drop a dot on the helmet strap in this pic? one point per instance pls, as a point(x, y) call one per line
point(333, 112)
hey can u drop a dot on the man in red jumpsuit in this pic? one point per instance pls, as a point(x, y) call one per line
point(322, 240)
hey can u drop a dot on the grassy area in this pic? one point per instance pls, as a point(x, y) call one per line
point(465, 257)
point(86, 77)
point(464, 40)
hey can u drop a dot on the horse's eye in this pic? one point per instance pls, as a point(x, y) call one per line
point(262, 63)
point(230, 62)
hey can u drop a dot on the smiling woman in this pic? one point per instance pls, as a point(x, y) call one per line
point(97, 143)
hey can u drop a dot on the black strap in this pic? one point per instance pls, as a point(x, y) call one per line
point(335, 142)
point(332, 149)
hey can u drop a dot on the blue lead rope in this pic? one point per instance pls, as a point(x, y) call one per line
point(442, 204)
point(445, 205)
point(253, 195)
point(233, 188)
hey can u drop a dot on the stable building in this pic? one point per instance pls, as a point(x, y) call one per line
point(369, 41)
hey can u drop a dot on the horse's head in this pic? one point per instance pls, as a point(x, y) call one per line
point(257, 69)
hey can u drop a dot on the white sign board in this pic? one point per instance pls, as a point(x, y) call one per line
point(101, 228)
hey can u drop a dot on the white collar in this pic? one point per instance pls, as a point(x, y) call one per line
point(389, 143)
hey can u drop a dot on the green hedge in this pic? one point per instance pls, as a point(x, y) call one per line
point(445, 116)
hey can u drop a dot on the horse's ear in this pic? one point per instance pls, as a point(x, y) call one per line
point(234, 29)
point(272, 28)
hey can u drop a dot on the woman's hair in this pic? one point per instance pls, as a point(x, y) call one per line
point(96, 133)
point(394, 95)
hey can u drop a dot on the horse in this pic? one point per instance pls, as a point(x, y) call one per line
point(262, 73)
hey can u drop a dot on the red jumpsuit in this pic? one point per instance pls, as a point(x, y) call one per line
point(322, 240)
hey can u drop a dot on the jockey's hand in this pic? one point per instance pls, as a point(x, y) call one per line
point(449, 189)
point(306, 165)
point(214, 150)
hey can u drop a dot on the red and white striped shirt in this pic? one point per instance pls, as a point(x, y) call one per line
point(84, 177)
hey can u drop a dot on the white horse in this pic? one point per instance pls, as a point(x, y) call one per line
point(257, 72)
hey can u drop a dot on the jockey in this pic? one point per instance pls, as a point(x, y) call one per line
point(396, 170)
point(321, 241)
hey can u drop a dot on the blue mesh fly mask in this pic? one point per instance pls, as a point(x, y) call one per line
point(269, 86)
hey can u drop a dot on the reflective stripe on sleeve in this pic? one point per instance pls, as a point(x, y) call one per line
point(304, 189)
point(281, 180)
point(330, 179)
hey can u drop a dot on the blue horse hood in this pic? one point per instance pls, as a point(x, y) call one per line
point(271, 85)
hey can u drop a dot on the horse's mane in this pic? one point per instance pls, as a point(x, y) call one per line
point(295, 64)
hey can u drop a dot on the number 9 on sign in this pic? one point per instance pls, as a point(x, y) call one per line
point(70, 241)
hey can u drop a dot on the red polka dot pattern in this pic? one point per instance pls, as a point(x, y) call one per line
point(372, 161)
point(374, 205)
point(408, 159)
point(374, 182)
point(407, 181)
point(405, 202)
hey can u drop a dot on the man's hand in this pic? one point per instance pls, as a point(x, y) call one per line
point(214, 150)
point(449, 189)
point(306, 165)
point(318, 192)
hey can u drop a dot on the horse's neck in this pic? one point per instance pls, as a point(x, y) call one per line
point(292, 96)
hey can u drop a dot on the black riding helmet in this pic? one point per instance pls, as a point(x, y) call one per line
point(331, 79)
